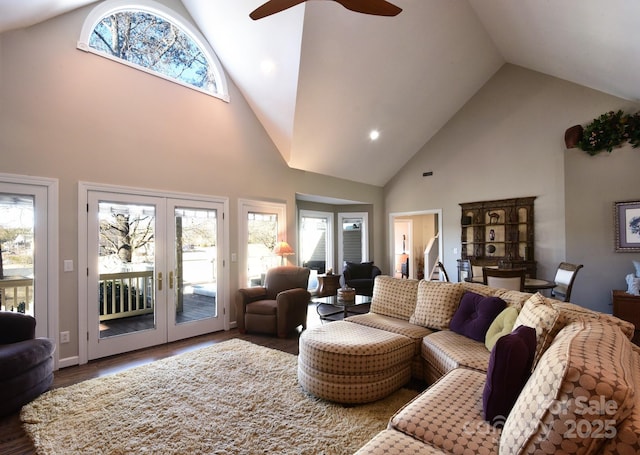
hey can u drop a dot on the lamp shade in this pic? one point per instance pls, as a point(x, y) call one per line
point(283, 249)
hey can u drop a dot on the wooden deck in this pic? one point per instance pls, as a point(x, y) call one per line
point(195, 307)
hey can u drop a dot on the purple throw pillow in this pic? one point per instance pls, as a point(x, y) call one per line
point(509, 368)
point(475, 314)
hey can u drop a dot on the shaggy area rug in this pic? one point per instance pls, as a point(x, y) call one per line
point(230, 398)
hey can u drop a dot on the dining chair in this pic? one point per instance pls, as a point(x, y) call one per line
point(476, 270)
point(443, 273)
point(504, 278)
point(565, 276)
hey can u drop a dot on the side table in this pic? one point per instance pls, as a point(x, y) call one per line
point(627, 307)
point(328, 285)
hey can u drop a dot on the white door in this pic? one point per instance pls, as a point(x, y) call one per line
point(153, 270)
point(126, 290)
point(26, 257)
point(195, 261)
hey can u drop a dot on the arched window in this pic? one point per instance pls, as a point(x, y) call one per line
point(150, 37)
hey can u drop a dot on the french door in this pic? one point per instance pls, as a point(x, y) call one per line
point(28, 249)
point(154, 268)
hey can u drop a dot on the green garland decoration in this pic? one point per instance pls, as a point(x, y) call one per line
point(609, 131)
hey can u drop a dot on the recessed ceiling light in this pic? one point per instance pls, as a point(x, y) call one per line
point(374, 134)
point(267, 66)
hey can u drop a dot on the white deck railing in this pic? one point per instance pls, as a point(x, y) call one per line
point(14, 291)
point(126, 294)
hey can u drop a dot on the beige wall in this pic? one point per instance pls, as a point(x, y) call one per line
point(508, 141)
point(73, 116)
point(593, 185)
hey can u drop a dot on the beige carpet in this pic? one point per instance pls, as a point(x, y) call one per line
point(230, 398)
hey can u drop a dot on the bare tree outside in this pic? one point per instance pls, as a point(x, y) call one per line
point(262, 239)
point(127, 235)
point(263, 230)
point(123, 235)
point(151, 42)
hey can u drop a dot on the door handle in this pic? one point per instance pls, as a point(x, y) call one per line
point(159, 281)
point(171, 280)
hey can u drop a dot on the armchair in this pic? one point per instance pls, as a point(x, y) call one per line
point(26, 362)
point(279, 306)
point(360, 277)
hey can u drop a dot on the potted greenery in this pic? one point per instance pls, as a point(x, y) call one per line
point(633, 130)
point(604, 133)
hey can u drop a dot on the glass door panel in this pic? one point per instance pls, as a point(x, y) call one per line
point(126, 256)
point(316, 244)
point(17, 226)
point(194, 279)
point(126, 282)
point(27, 275)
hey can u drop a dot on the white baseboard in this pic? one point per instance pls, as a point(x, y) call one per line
point(68, 362)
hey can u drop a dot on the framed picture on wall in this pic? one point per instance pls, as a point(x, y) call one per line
point(627, 226)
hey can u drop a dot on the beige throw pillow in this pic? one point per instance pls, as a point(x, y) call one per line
point(437, 303)
point(543, 317)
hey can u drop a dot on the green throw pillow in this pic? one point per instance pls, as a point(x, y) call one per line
point(501, 325)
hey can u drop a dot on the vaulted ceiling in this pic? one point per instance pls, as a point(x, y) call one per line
point(320, 77)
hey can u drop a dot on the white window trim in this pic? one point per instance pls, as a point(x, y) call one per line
point(114, 6)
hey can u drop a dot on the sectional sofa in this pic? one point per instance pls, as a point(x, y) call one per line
point(528, 375)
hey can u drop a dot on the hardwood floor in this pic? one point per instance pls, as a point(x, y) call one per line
point(14, 441)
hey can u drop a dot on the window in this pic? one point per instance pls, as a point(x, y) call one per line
point(150, 37)
point(353, 237)
point(263, 224)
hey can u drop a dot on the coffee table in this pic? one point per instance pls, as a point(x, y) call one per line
point(331, 309)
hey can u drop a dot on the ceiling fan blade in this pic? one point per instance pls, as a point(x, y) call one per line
point(375, 7)
point(272, 7)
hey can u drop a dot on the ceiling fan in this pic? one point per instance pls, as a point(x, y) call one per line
point(375, 7)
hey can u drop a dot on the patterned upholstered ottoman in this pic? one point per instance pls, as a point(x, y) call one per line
point(351, 363)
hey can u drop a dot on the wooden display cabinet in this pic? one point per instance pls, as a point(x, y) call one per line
point(627, 307)
point(499, 233)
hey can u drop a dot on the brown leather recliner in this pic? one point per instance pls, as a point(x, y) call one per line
point(279, 306)
point(26, 362)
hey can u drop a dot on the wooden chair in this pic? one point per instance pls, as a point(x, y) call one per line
point(565, 276)
point(504, 278)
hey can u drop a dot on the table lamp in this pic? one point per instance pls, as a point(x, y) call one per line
point(283, 249)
